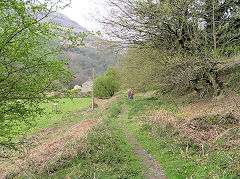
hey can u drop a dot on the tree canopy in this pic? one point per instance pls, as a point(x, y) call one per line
point(29, 47)
point(192, 37)
point(106, 86)
point(187, 25)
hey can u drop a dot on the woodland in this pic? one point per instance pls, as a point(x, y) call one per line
point(191, 45)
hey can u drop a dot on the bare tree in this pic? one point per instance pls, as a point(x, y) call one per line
point(198, 35)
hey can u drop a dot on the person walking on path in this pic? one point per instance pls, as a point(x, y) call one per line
point(130, 93)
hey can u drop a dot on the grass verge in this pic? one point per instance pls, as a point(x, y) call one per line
point(103, 153)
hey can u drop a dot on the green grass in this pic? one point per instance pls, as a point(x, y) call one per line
point(106, 154)
point(168, 147)
point(70, 112)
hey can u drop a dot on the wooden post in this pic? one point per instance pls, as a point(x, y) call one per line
point(93, 89)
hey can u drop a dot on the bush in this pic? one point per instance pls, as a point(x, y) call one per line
point(105, 86)
point(73, 91)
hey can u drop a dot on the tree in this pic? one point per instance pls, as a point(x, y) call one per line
point(29, 64)
point(106, 86)
point(192, 36)
point(174, 25)
point(139, 73)
point(222, 23)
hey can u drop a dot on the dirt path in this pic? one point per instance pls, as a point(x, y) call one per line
point(154, 171)
point(62, 141)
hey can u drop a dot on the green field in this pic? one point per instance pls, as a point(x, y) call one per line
point(69, 111)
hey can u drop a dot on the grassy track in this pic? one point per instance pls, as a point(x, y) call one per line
point(106, 153)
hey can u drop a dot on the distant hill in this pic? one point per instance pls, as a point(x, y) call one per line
point(65, 21)
point(82, 59)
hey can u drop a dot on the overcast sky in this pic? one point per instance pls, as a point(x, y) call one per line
point(83, 11)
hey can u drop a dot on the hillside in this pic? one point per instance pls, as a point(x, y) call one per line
point(82, 59)
point(65, 21)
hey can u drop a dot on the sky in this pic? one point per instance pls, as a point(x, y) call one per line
point(83, 11)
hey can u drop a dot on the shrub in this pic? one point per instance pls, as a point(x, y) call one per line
point(73, 91)
point(105, 86)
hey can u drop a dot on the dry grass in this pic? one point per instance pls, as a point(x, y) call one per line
point(205, 121)
point(47, 145)
point(102, 103)
point(43, 151)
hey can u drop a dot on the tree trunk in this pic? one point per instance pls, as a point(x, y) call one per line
point(213, 79)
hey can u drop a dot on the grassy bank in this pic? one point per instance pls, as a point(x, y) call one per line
point(46, 137)
point(105, 153)
point(177, 153)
